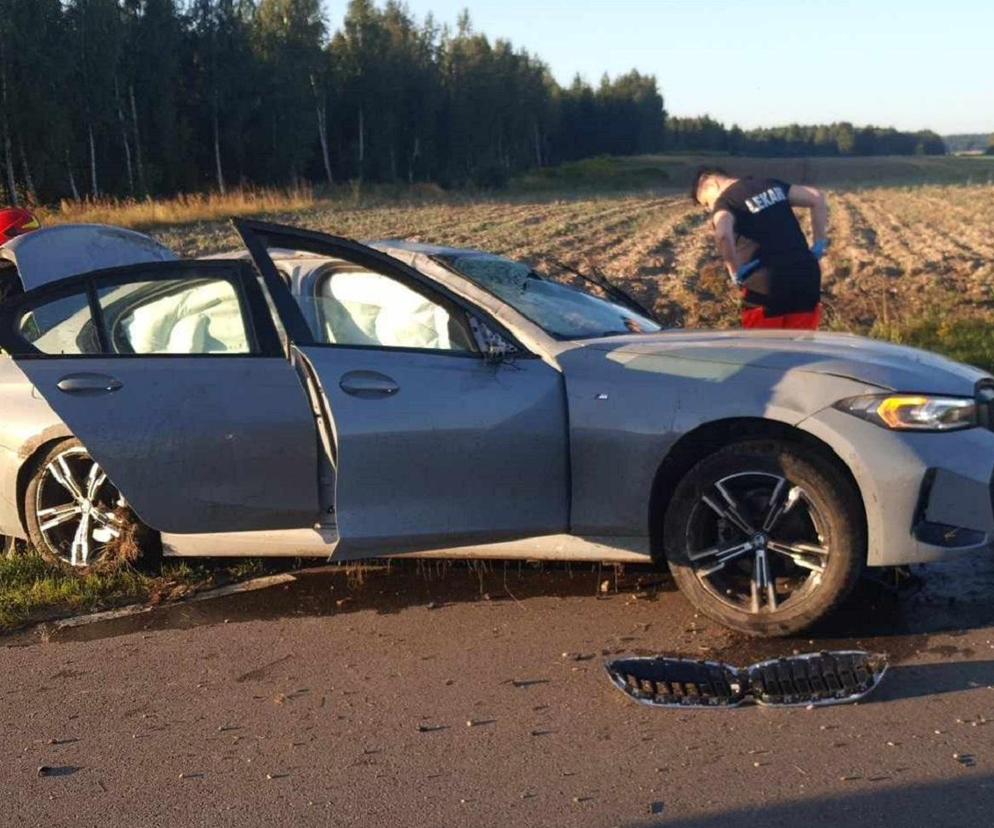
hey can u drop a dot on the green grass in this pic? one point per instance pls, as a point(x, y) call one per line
point(968, 340)
point(606, 174)
point(674, 171)
point(31, 589)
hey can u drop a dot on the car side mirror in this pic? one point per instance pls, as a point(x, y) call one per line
point(498, 352)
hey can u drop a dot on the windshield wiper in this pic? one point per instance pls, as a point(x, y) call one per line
point(622, 297)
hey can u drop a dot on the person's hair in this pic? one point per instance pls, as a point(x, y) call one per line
point(702, 173)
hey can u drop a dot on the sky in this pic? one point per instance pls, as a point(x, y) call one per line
point(910, 64)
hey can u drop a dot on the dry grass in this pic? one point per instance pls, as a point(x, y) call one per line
point(183, 209)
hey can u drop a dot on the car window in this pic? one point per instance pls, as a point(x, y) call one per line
point(177, 316)
point(562, 311)
point(179, 310)
point(59, 326)
point(356, 306)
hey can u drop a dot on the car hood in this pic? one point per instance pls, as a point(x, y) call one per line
point(890, 367)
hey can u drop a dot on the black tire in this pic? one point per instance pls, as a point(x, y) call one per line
point(67, 487)
point(723, 532)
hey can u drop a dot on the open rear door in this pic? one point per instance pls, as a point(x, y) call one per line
point(437, 445)
point(173, 377)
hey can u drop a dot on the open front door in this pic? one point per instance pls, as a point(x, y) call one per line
point(436, 445)
point(173, 377)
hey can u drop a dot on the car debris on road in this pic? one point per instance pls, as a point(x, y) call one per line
point(807, 680)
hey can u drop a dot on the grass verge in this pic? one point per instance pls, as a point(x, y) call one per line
point(968, 340)
point(32, 590)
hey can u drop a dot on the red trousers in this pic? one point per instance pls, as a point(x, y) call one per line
point(756, 318)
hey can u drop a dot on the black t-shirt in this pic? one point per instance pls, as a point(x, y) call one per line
point(763, 214)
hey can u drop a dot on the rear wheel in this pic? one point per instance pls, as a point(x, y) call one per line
point(763, 539)
point(75, 514)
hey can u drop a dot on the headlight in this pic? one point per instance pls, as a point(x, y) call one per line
point(913, 412)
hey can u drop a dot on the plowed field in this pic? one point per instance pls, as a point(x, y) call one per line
point(898, 253)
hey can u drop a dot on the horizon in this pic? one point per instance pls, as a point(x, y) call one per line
point(892, 65)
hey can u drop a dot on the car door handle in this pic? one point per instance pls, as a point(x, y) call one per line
point(89, 384)
point(368, 384)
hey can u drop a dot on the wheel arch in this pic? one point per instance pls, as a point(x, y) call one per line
point(30, 465)
point(710, 437)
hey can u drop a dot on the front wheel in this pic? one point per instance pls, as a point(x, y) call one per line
point(765, 540)
point(75, 514)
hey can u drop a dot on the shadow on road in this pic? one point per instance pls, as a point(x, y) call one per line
point(387, 588)
point(948, 598)
point(966, 801)
point(911, 681)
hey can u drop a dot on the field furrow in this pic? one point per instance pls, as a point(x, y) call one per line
point(897, 253)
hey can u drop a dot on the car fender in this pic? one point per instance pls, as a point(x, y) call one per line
point(627, 413)
point(27, 425)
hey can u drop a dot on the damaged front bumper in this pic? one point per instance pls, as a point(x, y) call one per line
point(928, 496)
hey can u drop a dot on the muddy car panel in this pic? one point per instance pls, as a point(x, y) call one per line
point(628, 411)
point(198, 442)
point(434, 447)
point(28, 423)
point(927, 496)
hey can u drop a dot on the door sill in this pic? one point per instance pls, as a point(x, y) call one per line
point(321, 542)
point(548, 548)
point(317, 542)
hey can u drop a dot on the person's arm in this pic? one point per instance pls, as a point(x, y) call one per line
point(814, 200)
point(724, 236)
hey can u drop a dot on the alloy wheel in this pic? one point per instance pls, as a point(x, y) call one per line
point(79, 511)
point(756, 542)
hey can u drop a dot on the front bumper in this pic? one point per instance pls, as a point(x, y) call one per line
point(928, 497)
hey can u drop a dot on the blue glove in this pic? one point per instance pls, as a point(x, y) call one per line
point(743, 272)
point(820, 248)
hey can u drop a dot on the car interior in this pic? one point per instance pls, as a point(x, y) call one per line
point(202, 317)
point(344, 303)
point(356, 306)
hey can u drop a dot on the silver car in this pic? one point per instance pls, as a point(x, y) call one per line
point(312, 396)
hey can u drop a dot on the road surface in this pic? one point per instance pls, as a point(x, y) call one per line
point(447, 695)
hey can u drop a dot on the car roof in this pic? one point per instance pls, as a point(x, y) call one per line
point(54, 253)
point(387, 245)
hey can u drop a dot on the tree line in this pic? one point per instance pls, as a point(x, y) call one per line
point(152, 97)
point(136, 98)
point(705, 133)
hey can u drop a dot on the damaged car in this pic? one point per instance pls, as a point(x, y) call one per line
point(310, 396)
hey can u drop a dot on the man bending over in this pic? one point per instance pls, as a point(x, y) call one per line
point(764, 248)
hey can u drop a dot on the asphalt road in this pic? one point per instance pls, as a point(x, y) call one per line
point(443, 696)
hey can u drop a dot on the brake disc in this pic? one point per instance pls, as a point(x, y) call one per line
point(817, 679)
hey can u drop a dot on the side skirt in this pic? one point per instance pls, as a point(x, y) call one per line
point(284, 543)
point(322, 542)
